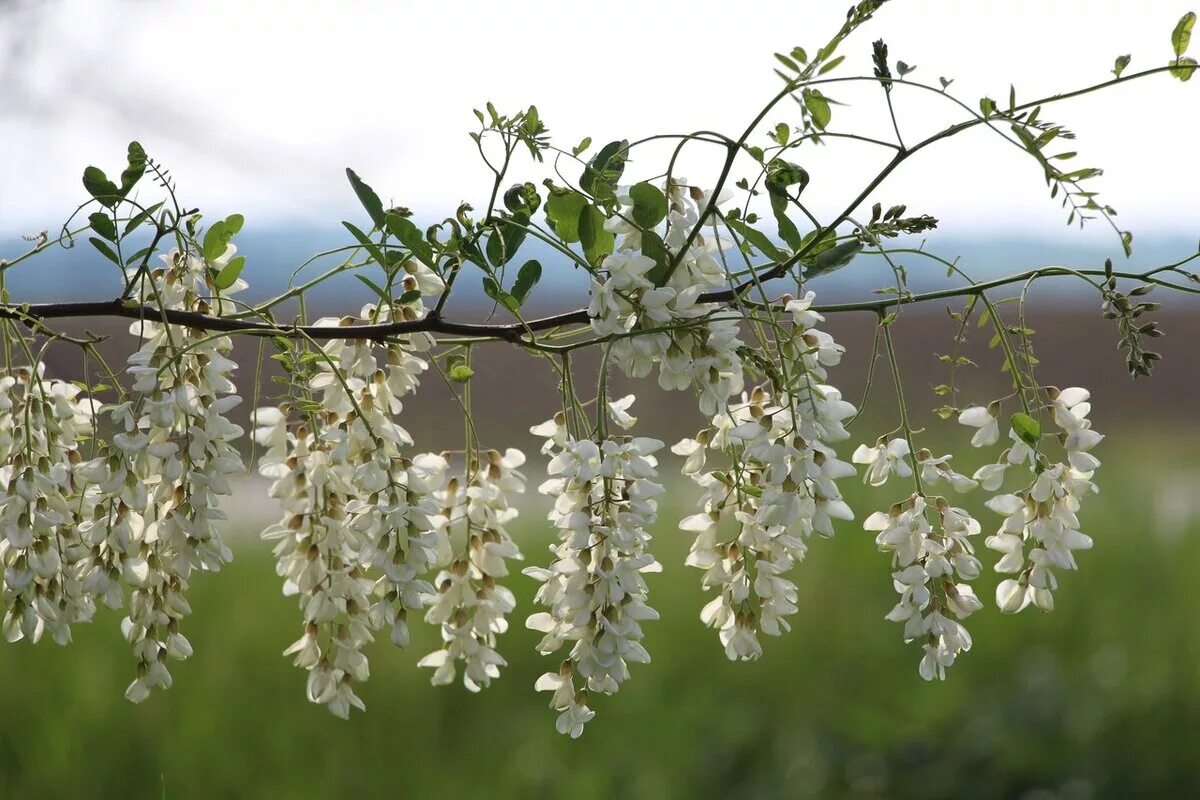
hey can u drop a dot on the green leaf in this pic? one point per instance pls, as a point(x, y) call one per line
point(654, 248)
point(757, 238)
point(903, 69)
point(833, 259)
point(492, 289)
point(601, 174)
point(1184, 69)
point(827, 241)
point(1127, 243)
point(597, 242)
point(522, 197)
point(831, 65)
point(1181, 37)
point(411, 237)
point(818, 108)
point(411, 296)
point(782, 174)
point(141, 217)
point(461, 373)
point(1119, 65)
point(506, 239)
point(563, 210)
point(377, 289)
point(787, 229)
point(100, 187)
point(527, 277)
point(219, 235)
point(140, 254)
point(105, 250)
point(136, 158)
point(230, 272)
point(649, 204)
point(373, 250)
point(366, 195)
point(103, 224)
point(1027, 428)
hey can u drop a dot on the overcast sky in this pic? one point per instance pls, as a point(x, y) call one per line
point(258, 106)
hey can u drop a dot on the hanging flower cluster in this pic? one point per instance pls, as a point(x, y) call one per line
point(138, 512)
point(1043, 515)
point(50, 578)
point(932, 564)
point(178, 443)
point(354, 504)
point(604, 502)
point(778, 486)
point(468, 605)
point(655, 310)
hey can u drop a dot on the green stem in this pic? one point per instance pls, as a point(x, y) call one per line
point(905, 426)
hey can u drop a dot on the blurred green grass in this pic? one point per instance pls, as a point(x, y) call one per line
point(1099, 699)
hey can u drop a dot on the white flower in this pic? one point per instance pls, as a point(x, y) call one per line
point(936, 469)
point(619, 411)
point(985, 419)
point(693, 451)
point(801, 311)
point(991, 476)
point(553, 430)
point(882, 460)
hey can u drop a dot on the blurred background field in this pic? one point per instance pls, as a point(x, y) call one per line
point(1098, 699)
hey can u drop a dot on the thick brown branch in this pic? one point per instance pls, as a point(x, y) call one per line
point(515, 332)
point(431, 324)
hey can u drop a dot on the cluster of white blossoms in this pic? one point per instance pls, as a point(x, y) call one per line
point(778, 485)
point(138, 512)
point(1043, 515)
point(700, 349)
point(604, 502)
point(354, 505)
point(931, 565)
point(47, 580)
point(173, 460)
point(467, 603)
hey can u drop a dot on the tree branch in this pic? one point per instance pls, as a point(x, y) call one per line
point(510, 332)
